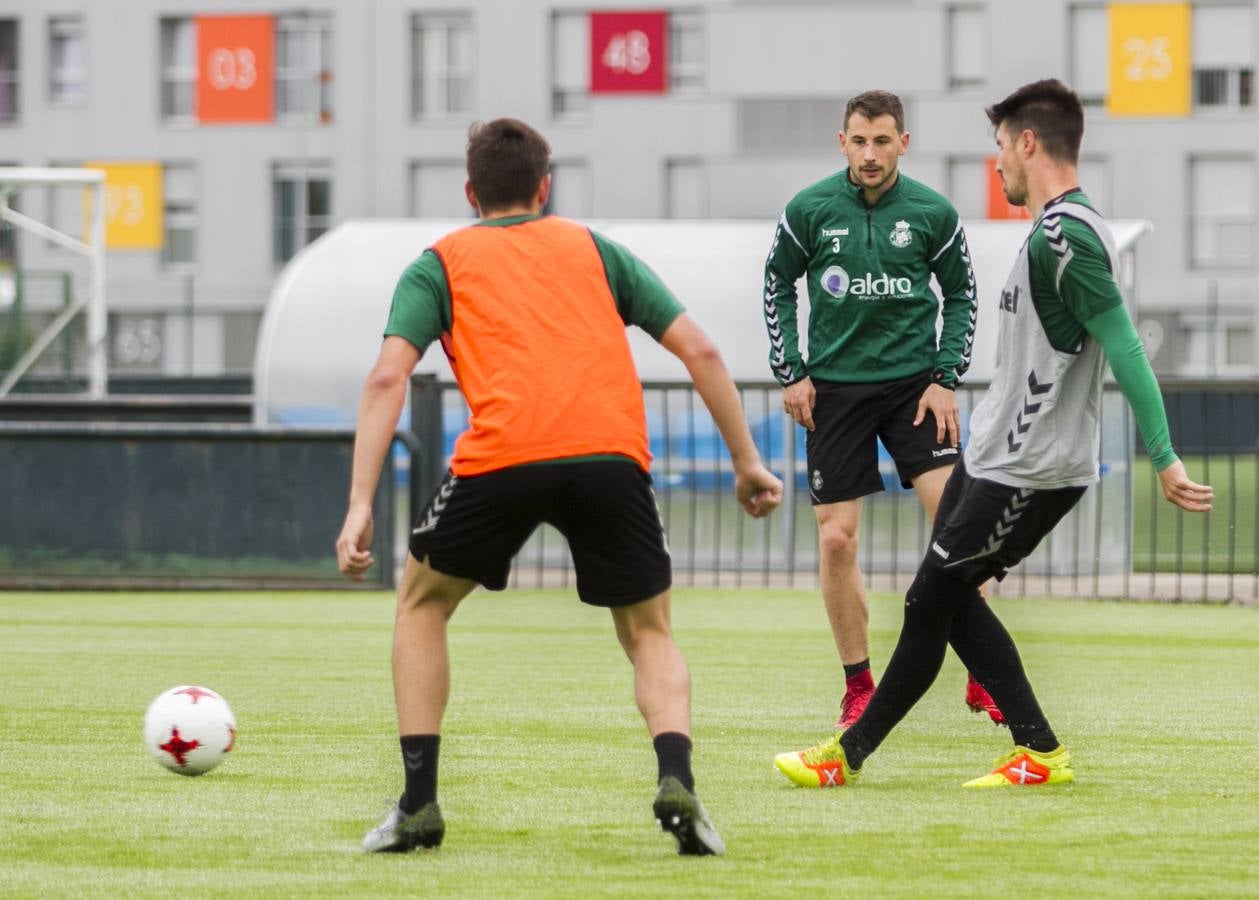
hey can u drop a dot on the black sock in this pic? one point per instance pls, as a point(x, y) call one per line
point(987, 649)
point(857, 668)
point(930, 605)
point(673, 757)
point(419, 759)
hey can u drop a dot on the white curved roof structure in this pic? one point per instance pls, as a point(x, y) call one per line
point(322, 327)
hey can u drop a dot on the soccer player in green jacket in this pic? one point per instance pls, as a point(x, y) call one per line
point(1033, 450)
point(868, 240)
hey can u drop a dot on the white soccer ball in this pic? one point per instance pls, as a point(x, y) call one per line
point(189, 729)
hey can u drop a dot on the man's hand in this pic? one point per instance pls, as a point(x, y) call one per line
point(798, 400)
point(759, 491)
point(942, 404)
point(354, 555)
point(1186, 494)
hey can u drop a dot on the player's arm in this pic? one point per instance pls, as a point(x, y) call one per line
point(1088, 289)
point(758, 489)
point(379, 408)
point(643, 299)
point(788, 259)
point(951, 264)
point(1113, 329)
point(419, 314)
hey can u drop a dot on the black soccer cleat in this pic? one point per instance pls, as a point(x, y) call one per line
point(679, 812)
point(399, 832)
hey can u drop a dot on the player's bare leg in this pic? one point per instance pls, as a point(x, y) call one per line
point(421, 686)
point(930, 486)
point(662, 689)
point(421, 664)
point(662, 684)
point(844, 595)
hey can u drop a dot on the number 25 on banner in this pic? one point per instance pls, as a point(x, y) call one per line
point(628, 52)
point(235, 68)
point(1149, 59)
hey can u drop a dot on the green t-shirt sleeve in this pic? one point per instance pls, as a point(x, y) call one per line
point(950, 263)
point(642, 299)
point(420, 311)
point(1114, 331)
point(787, 261)
point(1080, 269)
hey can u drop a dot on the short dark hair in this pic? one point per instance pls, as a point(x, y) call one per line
point(1049, 109)
point(873, 104)
point(507, 160)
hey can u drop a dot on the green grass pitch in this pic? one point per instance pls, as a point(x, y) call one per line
point(547, 773)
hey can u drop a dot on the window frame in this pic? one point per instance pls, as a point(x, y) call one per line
point(302, 174)
point(11, 78)
point(174, 74)
point(313, 76)
point(444, 73)
point(1194, 262)
point(61, 27)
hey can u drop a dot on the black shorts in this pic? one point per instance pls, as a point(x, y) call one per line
point(842, 452)
point(473, 527)
point(983, 529)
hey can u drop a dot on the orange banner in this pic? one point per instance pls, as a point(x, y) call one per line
point(235, 68)
point(998, 206)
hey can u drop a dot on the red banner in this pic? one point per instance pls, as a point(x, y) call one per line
point(629, 52)
point(235, 68)
point(998, 206)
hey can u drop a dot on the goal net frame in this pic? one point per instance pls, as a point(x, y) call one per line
point(13, 178)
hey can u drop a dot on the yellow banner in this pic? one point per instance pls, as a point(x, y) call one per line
point(133, 205)
point(1149, 59)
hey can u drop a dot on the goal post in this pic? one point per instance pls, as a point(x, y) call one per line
point(13, 178)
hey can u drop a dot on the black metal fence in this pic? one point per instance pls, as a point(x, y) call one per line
point(1122, 540)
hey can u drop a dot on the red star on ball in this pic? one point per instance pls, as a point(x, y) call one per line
point(178, 747)
point(196, 693)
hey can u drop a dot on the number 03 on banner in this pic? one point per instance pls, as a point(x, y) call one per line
point(235, 68)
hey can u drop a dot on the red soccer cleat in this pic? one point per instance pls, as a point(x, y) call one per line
point(980, 701)
point(853, 705)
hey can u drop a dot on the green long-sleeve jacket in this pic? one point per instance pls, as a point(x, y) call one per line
point(872, 311)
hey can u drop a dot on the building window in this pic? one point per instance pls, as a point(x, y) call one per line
point(686, 189)
point(789, 124)
point(437, 190)
point(179, 214)
point(303, 68)
point(8, 70)
point(302, 206)
point(570, 64)
point(1223, 57)
point(968, 46)
point(67, 63)
point(441, 66)
point(1090, 53)
point(967, 186)
point(571, 192)
point(179, 69)
point(1239, 347)
point(688, 64)
point(1222, 212)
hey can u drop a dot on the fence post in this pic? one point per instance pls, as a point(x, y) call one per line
point(427, 460)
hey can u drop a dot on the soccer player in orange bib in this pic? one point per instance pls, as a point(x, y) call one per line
point(531, 311)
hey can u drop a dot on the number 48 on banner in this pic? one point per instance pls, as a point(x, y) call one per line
point(628, 52)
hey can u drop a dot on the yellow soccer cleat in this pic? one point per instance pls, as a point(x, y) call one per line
point(1022, 767)
point(823, 765)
